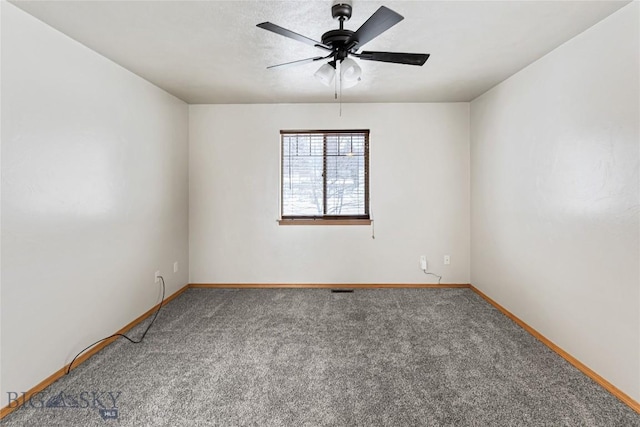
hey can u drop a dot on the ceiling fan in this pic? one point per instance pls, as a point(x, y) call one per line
point(342, 43)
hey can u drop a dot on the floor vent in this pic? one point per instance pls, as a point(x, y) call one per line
point(341, 291)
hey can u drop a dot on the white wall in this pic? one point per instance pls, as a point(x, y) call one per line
point(419, 196)
point(555, 197)
point(94, 198)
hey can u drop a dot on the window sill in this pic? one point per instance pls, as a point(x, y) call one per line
point(321, 221)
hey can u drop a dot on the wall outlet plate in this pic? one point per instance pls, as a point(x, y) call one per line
point(157, 276)
point(447, 260)
point(423, 262)
point(175, 267)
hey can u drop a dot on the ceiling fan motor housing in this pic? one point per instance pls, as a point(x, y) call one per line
point(337, 38)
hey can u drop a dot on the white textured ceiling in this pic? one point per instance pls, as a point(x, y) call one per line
point(211, 52)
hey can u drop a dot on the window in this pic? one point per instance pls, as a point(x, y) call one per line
point(325, 177)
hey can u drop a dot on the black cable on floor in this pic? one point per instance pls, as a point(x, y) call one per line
point(123, 335)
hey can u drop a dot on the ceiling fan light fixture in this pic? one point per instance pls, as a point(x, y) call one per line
point(342, 42)
point(325, 74)
point(350, 73)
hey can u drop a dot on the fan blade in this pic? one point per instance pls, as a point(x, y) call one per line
point(395, 57)
point(299, 62)
point(288, 33)
point(383, 19)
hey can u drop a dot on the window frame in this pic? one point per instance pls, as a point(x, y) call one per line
point(364, 219)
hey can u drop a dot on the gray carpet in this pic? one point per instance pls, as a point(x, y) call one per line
point(309, 357)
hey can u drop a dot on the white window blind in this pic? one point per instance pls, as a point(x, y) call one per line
point(325, 174)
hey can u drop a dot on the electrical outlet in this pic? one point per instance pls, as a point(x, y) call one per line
point(447, 260)
point(157, 277)
point(175, 267)
point(423, 262)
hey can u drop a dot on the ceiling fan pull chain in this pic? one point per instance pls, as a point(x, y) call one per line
point(339, 72)
point(335, 86)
